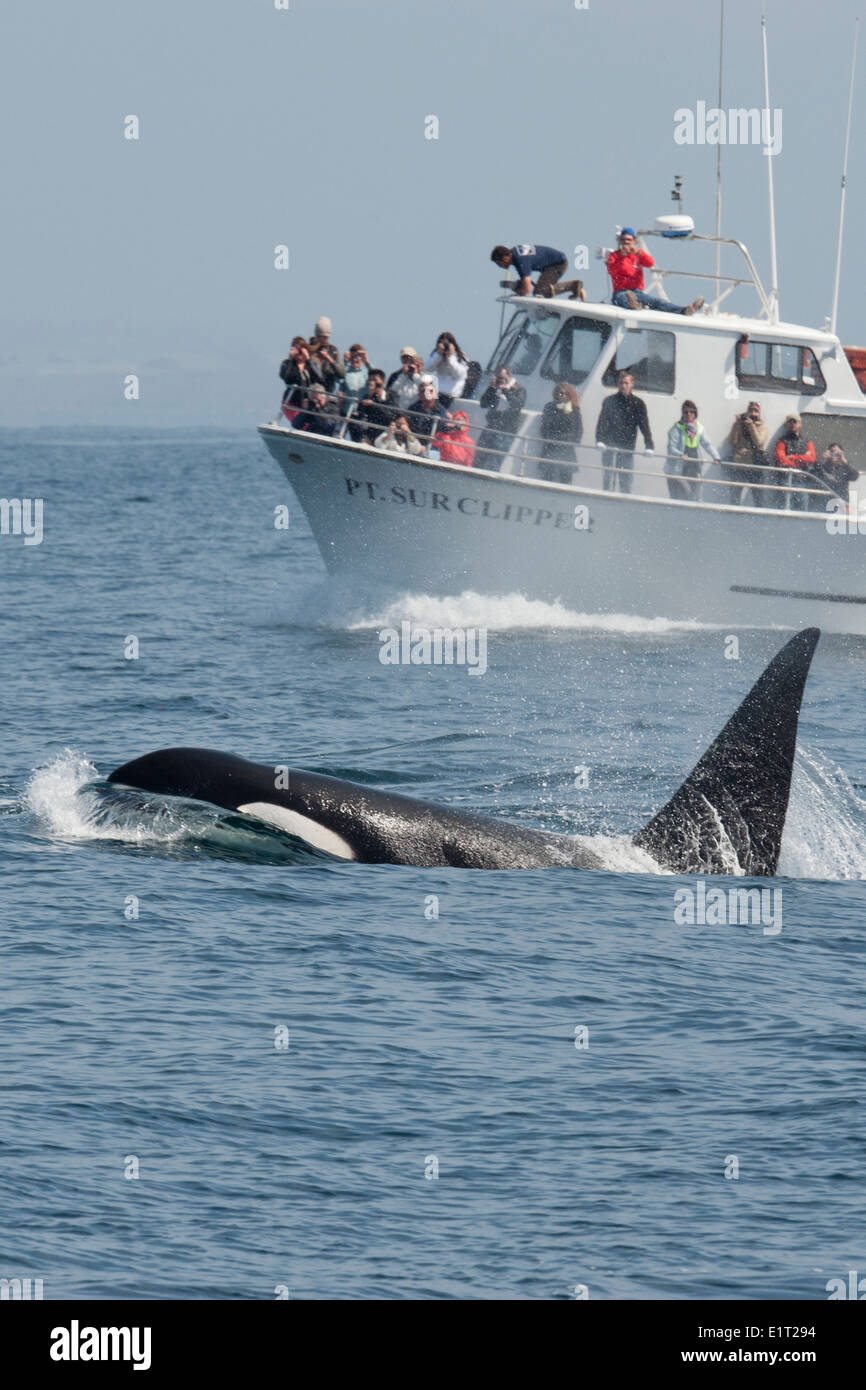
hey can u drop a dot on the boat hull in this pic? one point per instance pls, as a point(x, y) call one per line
point(424, 526)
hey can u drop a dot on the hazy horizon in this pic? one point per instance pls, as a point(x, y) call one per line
point(306, 127)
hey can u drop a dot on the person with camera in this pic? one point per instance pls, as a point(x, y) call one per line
point(427, 412)
point(319, 415)
point(837, 473)
point(403, 384)
point(398, 438)
point(374, 413)
point(449, 364)
point(327, 363)
point(748, 441)
point(503, 400)
point(625, 266)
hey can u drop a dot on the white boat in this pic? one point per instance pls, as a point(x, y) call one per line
point(418, 524)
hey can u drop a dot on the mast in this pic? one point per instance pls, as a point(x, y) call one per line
point(774, 269)
point(844, 183)
point(719, 158)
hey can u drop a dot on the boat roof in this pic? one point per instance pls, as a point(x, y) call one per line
point(699, 322)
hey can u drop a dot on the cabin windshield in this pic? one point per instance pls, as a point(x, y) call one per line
point(576, 350)
point(526, 340)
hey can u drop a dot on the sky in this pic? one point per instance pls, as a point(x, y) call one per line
point(307, 127)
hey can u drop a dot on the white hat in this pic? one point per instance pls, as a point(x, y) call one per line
point(323, 325)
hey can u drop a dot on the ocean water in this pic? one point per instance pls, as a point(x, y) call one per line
point(286, 1048)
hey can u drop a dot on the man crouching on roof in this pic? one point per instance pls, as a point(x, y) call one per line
point(625, 267)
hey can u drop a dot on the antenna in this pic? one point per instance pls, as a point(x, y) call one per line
point(677, 192)
point(844, 183)
point(774, 269)
point(719, 159)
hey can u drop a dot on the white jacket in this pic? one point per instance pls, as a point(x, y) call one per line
point(676, 449)
point(450, 371)
point(395, 446)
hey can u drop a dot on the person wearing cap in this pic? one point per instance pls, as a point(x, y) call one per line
point(748, 441)
point(625, 266)
point(529, 259)
point(427, 412)
point(403, 384)
point(454, 441)
point(319, 415)
point(793, 452)
point(326, 356)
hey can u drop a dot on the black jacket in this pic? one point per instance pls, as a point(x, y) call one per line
point(620, 419)
point(508, 420)
point(561, 430)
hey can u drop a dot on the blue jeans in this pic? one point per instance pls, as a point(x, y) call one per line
point(648, 302)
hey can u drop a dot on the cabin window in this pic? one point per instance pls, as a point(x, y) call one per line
point(532, 343)
point(576, 350)
point(780, 367)
point(650, 355)
point(516, 323)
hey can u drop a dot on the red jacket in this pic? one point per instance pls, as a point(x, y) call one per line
point(455, 446)
point(786, 459)
point(625, 269)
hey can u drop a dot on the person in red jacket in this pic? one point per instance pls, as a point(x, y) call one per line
point(625, 266)
point(454, 443)
point(793, 451)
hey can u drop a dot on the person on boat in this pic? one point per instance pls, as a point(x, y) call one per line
point(688, 442)
point(546, 261)
point(625, 266)
point(353, 387)
point(398, 438)
point(562, 431)
point(620, 418)
point(296, 374)
point(793, 452)
point(503, 400)
point(837, 473)
point(319, 415)
point(326, 355)
point(426, 413)
point(374, 413)
point(403, 385)
point(748, 443)
point(454, 441)
point(449, 364)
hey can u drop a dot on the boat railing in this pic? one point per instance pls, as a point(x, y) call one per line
point(660, 274)
point(589, 457)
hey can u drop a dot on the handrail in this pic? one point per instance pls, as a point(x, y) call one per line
point(720, 241)
point(823, 489)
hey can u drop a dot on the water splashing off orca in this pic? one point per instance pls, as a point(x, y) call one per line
point(728, 815)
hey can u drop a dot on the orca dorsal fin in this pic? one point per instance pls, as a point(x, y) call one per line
point(729, 814)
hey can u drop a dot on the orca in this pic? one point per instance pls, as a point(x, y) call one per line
point(727, 817)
